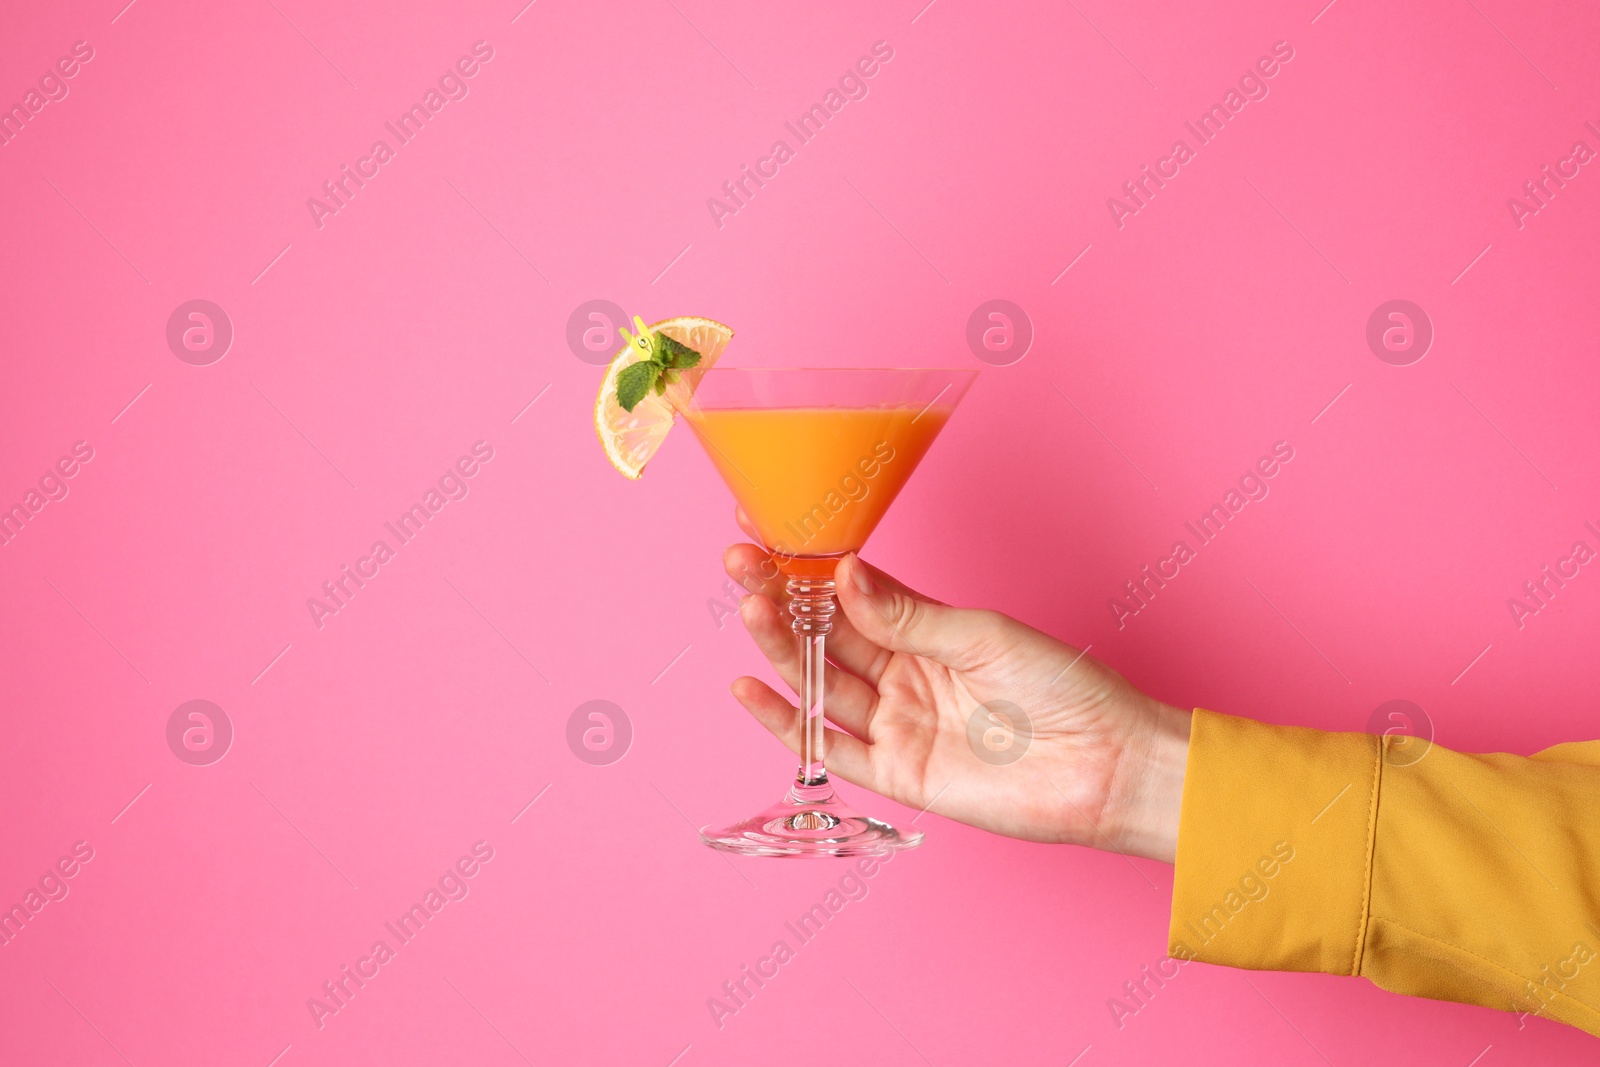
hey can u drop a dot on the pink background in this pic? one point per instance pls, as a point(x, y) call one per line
point(425, 315)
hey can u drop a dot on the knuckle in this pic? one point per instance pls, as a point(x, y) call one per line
point(908, 614)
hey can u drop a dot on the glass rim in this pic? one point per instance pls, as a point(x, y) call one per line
point(973, 371)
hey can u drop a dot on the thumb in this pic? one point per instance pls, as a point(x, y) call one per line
point(903, 622)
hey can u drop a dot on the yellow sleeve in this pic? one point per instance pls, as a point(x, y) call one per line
point(1430, 872)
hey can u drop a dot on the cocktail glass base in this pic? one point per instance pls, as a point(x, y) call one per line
point(810, 820)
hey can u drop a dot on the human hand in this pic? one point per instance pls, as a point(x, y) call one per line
point(1104, 762)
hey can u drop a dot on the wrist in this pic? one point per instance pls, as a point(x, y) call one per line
point(1148, 789)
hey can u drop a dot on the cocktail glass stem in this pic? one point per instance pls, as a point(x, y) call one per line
point(811, 610)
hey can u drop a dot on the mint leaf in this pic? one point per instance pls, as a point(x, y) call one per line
point(657, 371)
point(675, 354)
point(634, 383)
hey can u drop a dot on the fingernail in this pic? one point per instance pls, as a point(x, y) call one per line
point(859, 576)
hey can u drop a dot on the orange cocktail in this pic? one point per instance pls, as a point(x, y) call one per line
point(814, 456)
point(815, 481)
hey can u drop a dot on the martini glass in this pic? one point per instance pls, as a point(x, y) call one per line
point(815, 456)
